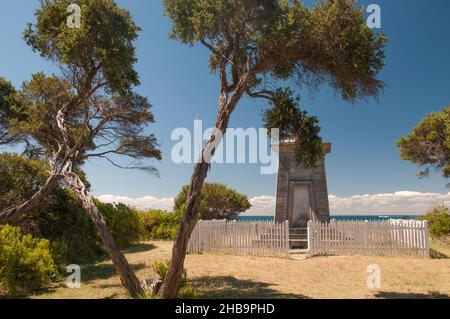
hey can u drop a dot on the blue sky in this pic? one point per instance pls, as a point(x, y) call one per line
point(177, 81)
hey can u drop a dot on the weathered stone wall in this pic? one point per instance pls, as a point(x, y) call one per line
point(290, 174)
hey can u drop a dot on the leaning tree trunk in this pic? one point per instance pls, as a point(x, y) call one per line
point(15, 212)
point(127, 275)
point(171, 284)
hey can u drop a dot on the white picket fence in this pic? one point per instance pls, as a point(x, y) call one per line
point(383, 238)
point(249, 238)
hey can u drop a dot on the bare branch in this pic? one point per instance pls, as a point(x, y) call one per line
point(149, 169)
point(263, 94)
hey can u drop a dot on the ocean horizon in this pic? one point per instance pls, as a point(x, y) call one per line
point(335, 217)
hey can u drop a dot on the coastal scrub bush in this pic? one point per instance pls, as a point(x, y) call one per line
point(159, 225)
point(123, 221)
point(60, 218)
point(439, 222)
point(217, 201)
point(26, 263)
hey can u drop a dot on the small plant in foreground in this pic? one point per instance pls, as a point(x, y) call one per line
point(26, 263)
point(186, 290)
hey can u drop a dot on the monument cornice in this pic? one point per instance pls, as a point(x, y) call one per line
point(290, 145)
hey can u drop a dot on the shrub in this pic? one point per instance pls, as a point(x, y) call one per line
point(186, 291)
point(62, 220)
point(25, 263)
point(159, 225)
point(68, 227)
point(217, 201)
point(123, 221)
point(439, 222)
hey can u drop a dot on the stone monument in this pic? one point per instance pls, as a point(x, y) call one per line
point(302, 193)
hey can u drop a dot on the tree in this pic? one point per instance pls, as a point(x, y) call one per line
point(428, 145)
point(254, 45)
point(90, 110)
point(216, 202)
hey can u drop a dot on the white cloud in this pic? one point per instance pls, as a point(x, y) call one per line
point(146, 202)
point(398, 203)
point(261, 206)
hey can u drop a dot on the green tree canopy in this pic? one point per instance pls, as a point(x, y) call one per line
point(328, 43)
point(93, 96)
point(277, 40)
point(101, 48)
point(297, 125)
point(217, 202)
point(428, 145)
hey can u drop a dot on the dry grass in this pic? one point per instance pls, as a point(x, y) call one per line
point(220, 276)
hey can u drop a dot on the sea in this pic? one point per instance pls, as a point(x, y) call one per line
point(336, 218)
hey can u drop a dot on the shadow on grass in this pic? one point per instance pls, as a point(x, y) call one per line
point(103, 256)
point(138, 248)
point(227, 287)
point(406, 295)
point(436, 254)
point(92, 272)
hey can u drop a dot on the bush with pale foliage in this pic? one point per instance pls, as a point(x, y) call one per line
point(439, 222)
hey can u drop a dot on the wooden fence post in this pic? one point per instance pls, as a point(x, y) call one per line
point(427, 239)
point(309, 237)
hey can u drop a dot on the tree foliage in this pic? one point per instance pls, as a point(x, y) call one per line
point(428, 145)
point(296, 125)
point(102, 47)
point(217, 202)
point(90, 109)
point(10, 108)
point(329, 43)
point(59, 217)
point(103, 127)
point(280, 40)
